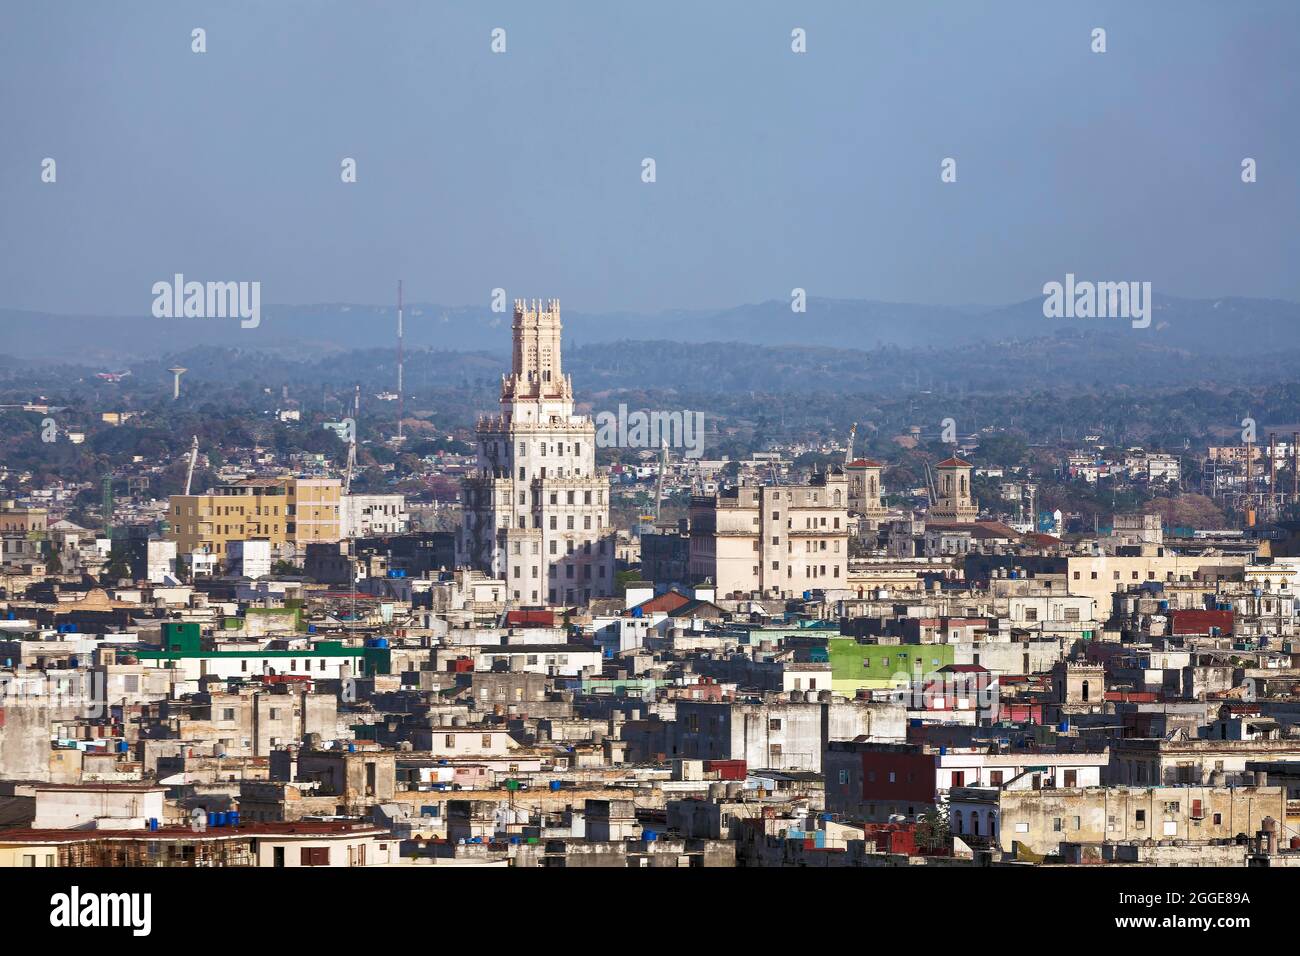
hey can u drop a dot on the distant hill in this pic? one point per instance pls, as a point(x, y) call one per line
point(1229, 326)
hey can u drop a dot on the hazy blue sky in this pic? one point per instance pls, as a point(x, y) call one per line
point(522, 170)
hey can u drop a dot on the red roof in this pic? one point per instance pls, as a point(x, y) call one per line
point(667, 602)
point(954, 462)
point(1199, 622)
point(865, 463)
point(530, 618)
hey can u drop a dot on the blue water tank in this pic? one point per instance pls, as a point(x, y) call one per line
point(807, 595)
point(123, 747)
point(311, 628)
point(650, 836)
point(637, 612)
point(212, 819)
point(352, 748)
point(555, 785)
point(233, 818)
point(153, 823)
point(943, 751)
point(1064, 726)
point(381, 643)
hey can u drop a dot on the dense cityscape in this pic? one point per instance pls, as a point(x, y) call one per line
point(739, 437)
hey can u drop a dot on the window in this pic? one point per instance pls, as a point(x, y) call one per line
point(486, 741)
point(774, 724)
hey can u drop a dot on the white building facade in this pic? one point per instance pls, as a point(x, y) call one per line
point(537, 511)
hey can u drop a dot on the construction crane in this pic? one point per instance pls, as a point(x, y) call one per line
point(848, 452)
point(659, 485)
point(189, 473)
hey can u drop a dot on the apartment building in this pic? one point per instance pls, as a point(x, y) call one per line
point(284, 511)
point(772, 540)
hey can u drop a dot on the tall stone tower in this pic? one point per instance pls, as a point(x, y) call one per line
point(955, 500)
point(865, 489)
point(536, 512)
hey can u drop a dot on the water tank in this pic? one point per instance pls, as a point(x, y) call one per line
point(649, 836)
point(555, 785)
point(153, 824)
point(233, 818)
point(825, 696)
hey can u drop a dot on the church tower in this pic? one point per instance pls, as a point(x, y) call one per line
point(956, 502)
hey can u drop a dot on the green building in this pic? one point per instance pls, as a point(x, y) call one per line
point(875, 666)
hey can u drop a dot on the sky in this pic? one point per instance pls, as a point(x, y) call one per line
point(523, 170)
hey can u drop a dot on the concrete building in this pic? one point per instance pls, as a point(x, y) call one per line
point(362, 515)
point(772, 540)
point(249, 559)
point(537, 510)
point(780, 734)
point(1041, 820)
point(879, 781)
point(283, 511)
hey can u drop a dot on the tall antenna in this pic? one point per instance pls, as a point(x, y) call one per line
point(399, 360)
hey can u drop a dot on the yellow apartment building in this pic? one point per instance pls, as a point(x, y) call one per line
point(297, 511)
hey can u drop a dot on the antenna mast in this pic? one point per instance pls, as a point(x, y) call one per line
point(399, 360)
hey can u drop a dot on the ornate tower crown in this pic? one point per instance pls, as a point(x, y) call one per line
point(536, 371)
